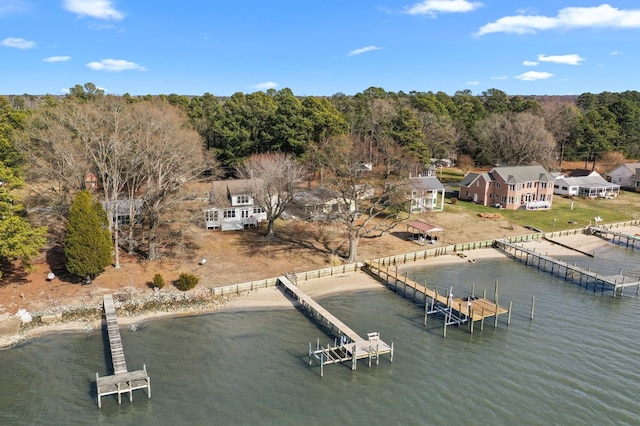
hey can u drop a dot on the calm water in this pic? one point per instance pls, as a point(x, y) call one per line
point(577, 362)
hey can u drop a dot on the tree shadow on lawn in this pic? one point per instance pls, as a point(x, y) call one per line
point(11, 274)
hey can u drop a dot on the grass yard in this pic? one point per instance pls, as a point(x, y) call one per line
point(565, 213)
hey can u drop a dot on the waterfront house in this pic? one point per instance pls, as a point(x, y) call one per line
point(427, 194)
point(233, 205)
point(592, 185)
point(627, 175)
point(527, 187)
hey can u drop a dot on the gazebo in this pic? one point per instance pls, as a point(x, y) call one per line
point(424, 233)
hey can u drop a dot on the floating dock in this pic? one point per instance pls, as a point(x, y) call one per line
point(456, 311)
point(615, 283)
point(122, 380)
point(348, 345)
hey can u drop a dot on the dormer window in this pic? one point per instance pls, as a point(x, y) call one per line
point(243, 199)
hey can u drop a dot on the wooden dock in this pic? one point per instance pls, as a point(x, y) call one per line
point(122, 380)
point(615, 283)
point(456, 310)
point(348, 345)
point(601, 231)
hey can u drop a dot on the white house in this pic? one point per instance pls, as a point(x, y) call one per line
point(591, 186)
point(234, 207)
point(627, 175)
point(427, 194)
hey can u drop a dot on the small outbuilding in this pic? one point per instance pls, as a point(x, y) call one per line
point(425, 233)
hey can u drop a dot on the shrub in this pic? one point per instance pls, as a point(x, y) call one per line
point(158, 281)
point(186, 281)
point(454, 200)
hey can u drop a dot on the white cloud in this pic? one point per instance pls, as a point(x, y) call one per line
point(12, 6)
point(18, 43)
point(500, 77)
point(266, 85)
point(473, 83)
point(114, 65)
point(363, 50)
point(603, 16)
point(529, 63)
point(534, 75)
point(57, 59)
point(572, 59)
point(101, 9)
point(433, 7)
point(615, 52)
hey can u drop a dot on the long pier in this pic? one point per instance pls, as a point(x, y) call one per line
point(348, 345)
point(122, 380)
point(456, 310)
point(601, 231)
point(616, 283)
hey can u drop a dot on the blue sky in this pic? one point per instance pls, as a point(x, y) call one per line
point(190, 47)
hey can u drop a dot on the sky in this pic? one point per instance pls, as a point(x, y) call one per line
point(319, 48)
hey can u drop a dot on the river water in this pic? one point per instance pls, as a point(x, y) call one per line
point(576, 362)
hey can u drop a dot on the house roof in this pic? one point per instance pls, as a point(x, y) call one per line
point(426, 183)
point(631, 167)
point(471, 177)
point(581, 173)
point(588, 182)
point(424, 226)
point(520, 174)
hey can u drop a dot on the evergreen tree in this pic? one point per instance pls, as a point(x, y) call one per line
point(87, 247)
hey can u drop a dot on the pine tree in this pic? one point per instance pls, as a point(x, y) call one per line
point(87, 247)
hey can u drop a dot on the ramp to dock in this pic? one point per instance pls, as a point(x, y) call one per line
point(349, 346)
point(122, 380)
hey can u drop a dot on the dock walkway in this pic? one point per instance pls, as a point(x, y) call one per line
point(616, 283)
point(601, 231)
point(348, 346)
point(122, 380)
point(457, 310)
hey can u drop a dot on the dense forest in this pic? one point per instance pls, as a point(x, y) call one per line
point(490, 128)
point(147, 147)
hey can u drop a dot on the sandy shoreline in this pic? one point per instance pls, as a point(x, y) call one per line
point(273, 298)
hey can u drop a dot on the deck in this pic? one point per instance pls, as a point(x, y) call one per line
point(122, 380)
point(615, 283)
point(348, 346)
point(456, 310)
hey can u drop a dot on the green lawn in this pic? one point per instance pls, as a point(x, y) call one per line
point(565, 212)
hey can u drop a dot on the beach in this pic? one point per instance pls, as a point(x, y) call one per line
point(273, 298)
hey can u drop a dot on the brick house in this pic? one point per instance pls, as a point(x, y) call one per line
point(528, 187)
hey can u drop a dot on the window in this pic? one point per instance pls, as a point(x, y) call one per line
point(529, 185)
point(244, 213)
point(564, 188)
point(543, 184)
point(511, 200)
point(243, 199)
point(542, 197)
point(497, 184)
point(504, 198)
point(229, 213)
point(512, 187)
point(258, 210)
point(556, 186)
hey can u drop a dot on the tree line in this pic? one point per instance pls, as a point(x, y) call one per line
point(148, 147)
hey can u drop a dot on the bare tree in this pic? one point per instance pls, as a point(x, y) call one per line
point(611, 160)
point(58, 159)
point(465, 162)
point(515, 138)
point(273, 178)
point(560, 119)
point(171, 154)
point(365, 194)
